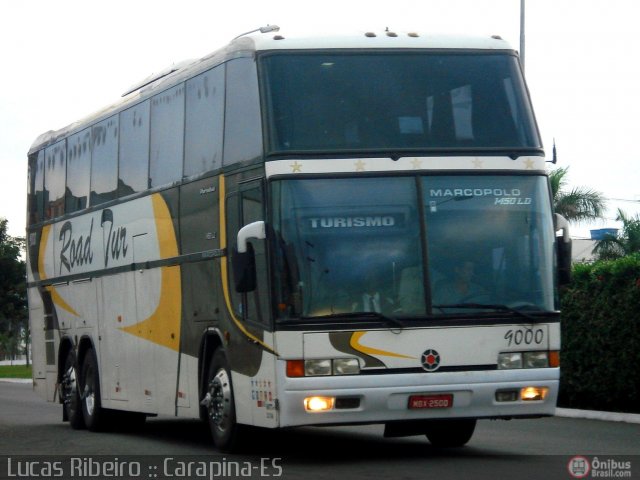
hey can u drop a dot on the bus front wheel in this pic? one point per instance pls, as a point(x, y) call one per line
point(450, 433)
point(219, 402)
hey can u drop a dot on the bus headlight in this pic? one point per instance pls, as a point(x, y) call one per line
point(313, 368)
point(322, 367)
point(509, 360)
point(536, 359)
point(539, 359)
point(346, 366)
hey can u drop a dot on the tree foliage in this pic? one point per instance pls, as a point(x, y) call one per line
point(601, 337)
point(624, 243)
point(576, 205)
point(13, 293)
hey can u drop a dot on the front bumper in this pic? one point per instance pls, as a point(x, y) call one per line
point(384, 397)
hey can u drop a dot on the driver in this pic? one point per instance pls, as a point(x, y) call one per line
point(460, 288)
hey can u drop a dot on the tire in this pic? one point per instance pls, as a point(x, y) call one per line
point(70, 393)
point(220, 405)
point(450, 433)
point(92, 411)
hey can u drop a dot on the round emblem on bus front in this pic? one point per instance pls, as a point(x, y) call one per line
point(430, 360)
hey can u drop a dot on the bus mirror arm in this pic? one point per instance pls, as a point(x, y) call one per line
point(563, 250)
point(243, 260)
point(251, 230)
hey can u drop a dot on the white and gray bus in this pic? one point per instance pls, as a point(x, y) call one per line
point(302, 231)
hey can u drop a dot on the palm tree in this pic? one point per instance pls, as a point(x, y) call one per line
point(622, 244)
point(578, 205)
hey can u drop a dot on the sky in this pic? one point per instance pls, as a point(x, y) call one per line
point(65, 59)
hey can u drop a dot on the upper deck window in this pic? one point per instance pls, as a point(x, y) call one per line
point(54, 179)
point(78, 171)
point(133, 159)
point(332, 101)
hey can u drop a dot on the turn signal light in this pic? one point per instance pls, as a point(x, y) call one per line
point(295, 368)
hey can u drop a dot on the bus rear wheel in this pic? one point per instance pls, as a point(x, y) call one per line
point(92, 411)
point(450, 433)
point(220, 406)
point(69, 392)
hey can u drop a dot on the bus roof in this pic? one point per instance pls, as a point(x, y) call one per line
point(274, 41)
point(377, 40)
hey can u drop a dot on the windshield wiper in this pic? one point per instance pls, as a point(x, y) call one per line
point(392, 321)
point(484, 306)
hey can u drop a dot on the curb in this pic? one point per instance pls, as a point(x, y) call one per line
point(16, 380)
point(597, 415)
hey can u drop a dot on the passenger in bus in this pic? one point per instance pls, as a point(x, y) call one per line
point(411, 291)
point(459, 289)
point(375, 295)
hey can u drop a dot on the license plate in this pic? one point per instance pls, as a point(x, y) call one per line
point(431, 401)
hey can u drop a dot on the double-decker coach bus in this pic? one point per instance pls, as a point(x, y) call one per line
point(302, 231)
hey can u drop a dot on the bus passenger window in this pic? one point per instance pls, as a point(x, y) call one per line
point(167, 136)
point(54, 178)
point(36, 188)
point(204, 124)
point(104, 160)
point(78, 168)
point(133, 160)
point(243, 127)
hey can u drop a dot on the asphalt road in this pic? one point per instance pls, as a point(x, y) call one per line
point(520, 449)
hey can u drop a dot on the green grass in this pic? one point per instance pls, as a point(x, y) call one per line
point(15, 371)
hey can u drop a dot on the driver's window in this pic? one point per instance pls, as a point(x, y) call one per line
point(243, 208)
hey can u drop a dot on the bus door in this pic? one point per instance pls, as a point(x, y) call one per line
point(251, 363)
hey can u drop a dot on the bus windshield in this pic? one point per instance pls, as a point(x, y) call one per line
point(412, 246)
point(390, 101)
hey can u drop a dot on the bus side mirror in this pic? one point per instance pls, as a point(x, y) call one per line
point(244, 260)
point(563, 250)
point(244, 269)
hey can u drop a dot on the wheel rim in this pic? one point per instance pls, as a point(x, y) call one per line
point(69, 387)
point(89, 392)
point(220, 403)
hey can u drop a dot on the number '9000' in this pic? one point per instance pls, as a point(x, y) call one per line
point(529, 336)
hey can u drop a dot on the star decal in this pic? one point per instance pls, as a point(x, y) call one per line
point(417, 163)
point(296, 167)
point(359, 166)
point(528, 164)
point(477, 163)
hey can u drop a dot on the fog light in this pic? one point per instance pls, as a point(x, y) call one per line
point(536, 359)
point(531, 394)
point(346, 366)
point(314, 368)
point(509, 360)
point(506, 395)
point(318, 404)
